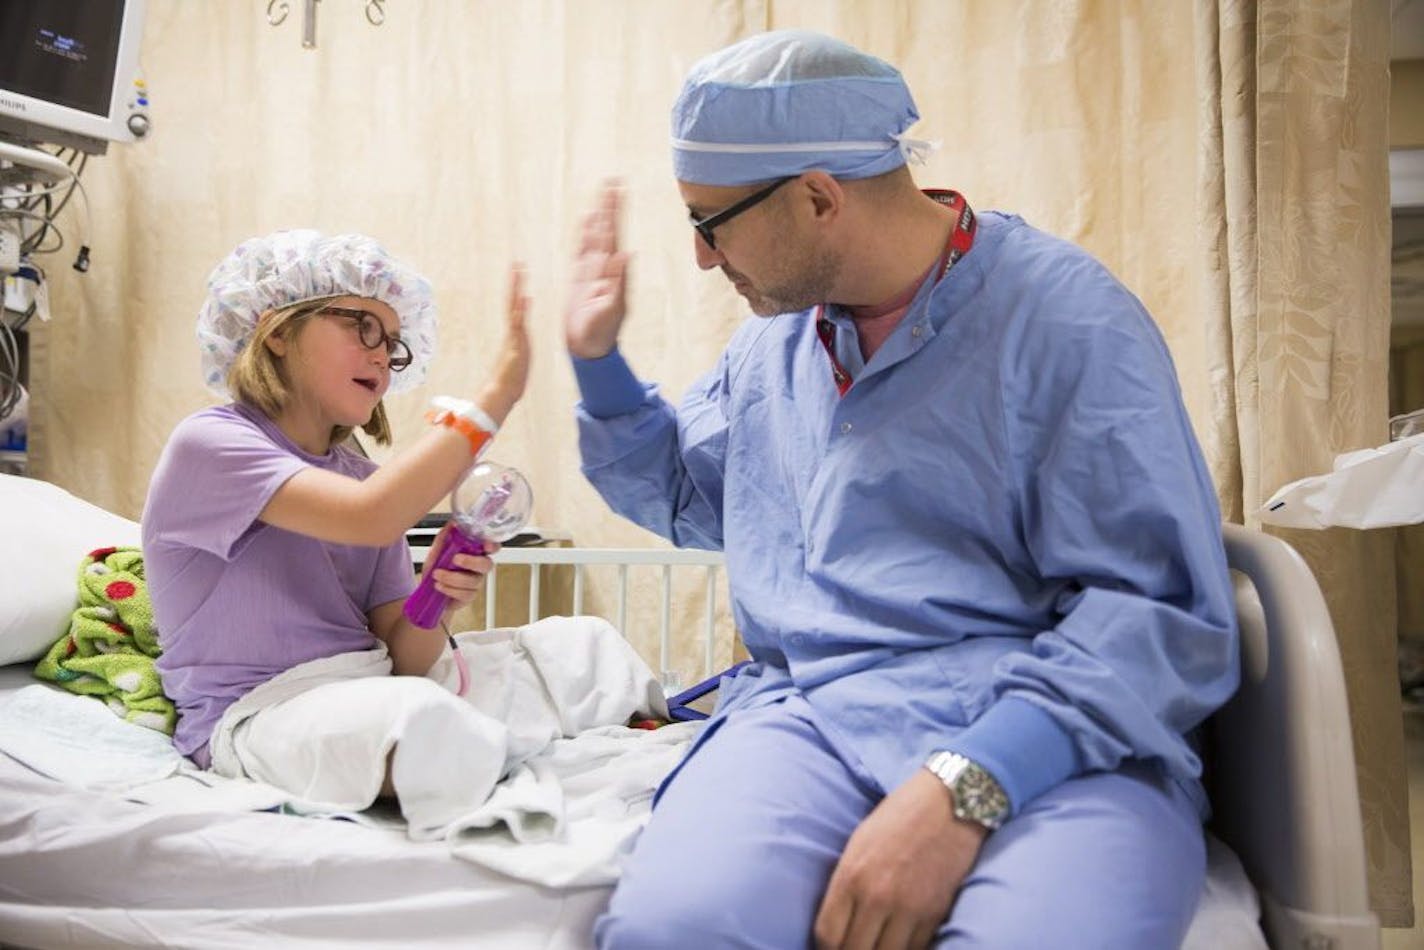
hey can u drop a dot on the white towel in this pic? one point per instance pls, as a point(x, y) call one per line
point(79, 741)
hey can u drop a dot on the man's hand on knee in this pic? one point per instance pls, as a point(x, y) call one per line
point(900, 870)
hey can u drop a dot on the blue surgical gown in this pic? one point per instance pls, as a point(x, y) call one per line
point(1002, 540)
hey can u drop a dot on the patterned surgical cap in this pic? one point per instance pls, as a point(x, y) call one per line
point(288, 267)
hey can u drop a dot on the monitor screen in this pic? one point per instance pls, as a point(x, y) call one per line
point(69, 72)
point(63, 51)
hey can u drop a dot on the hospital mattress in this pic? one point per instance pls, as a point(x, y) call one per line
point(88, 869)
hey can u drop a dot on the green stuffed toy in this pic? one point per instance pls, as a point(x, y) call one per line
point(112, 642)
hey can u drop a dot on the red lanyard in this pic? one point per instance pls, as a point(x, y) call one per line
point(961, 239)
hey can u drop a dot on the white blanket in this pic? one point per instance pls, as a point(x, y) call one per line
point(532, 774)
point(569, 816)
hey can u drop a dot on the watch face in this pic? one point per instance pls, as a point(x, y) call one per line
point(979, 798)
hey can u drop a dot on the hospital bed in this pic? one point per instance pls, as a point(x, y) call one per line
point(82, 868)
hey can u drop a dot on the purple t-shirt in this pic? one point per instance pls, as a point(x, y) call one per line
point(238, 601)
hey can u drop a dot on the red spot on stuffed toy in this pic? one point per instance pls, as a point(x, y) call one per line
point(119, 590)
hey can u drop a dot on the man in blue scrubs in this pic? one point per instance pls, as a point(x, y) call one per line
point(972, 546)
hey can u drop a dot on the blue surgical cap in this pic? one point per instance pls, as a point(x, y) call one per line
point(781, 103)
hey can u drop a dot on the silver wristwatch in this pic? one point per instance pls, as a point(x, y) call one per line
point(977, 795)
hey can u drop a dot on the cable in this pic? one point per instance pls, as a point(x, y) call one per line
point(30, 202)
point(10, 389)
point(69, 185)
point(22, 203)
point(74, 183)
point(17, 205)
point(30, 196)
point(27, 246)
point(48, 202)
point(34, 274)
point(26, 199)
point(81, 262)
point(29, 190)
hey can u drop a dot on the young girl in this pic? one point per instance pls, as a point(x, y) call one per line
point(268, 543)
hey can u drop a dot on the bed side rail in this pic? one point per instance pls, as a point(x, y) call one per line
point(581, 559)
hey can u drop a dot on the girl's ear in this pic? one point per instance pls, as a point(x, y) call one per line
point(276, 342)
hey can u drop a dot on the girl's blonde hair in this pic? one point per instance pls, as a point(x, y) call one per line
point(258, 378)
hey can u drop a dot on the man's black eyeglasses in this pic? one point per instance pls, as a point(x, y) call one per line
point(373, 335)
point(705, 225)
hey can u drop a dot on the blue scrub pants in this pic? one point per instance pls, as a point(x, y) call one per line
point(744, 838)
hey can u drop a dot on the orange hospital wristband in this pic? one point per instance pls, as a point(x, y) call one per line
point(456, 414)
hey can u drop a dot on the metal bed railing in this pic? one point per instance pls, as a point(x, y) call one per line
point(580, 559)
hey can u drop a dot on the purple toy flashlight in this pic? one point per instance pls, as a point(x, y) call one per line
point(491, 504)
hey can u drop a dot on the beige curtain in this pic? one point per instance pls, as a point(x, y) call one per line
point(1294, 220)
point(1225, 160)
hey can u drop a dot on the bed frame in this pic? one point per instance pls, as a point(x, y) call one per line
point(1282, 763)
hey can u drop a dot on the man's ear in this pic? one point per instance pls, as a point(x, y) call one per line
point(827, 195)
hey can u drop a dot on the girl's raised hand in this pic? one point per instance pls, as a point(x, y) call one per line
point(510, 374)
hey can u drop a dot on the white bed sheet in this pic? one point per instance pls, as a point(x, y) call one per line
point(85, 869)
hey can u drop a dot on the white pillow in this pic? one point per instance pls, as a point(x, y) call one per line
point(44, 534)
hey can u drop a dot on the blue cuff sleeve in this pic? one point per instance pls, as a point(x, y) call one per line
point(1022, 746)
point(607, 386)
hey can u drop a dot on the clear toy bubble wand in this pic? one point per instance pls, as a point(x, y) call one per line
point(490, 504)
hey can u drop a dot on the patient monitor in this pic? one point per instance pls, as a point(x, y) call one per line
point(69, 75)
point(68, 81)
